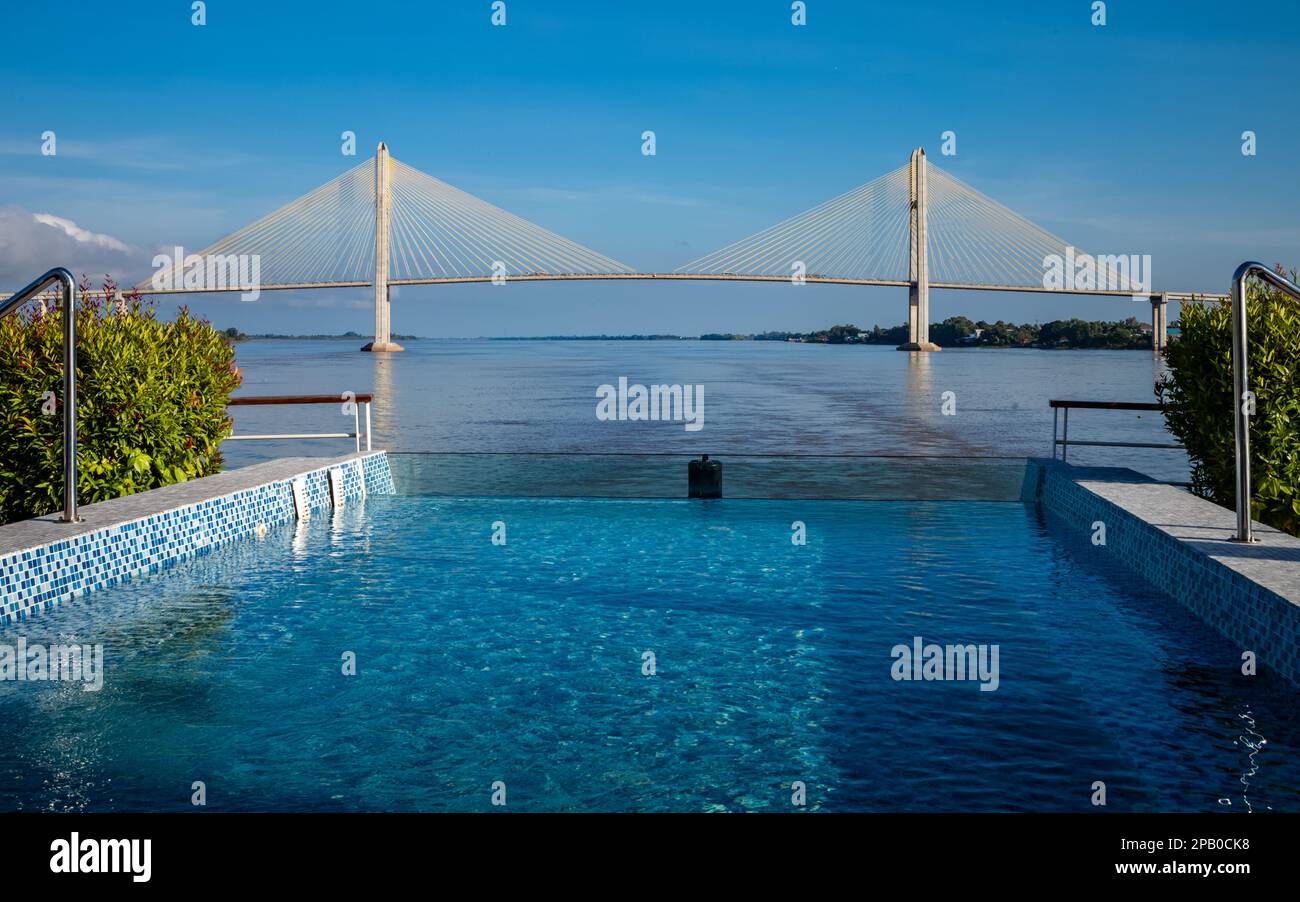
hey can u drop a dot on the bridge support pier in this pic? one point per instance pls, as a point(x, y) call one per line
point(1159, 323)
point(383, 210)
point(918, 292)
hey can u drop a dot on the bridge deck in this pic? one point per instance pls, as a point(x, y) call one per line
point(701, 277)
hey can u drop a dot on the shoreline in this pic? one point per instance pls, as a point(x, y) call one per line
point(683, 338)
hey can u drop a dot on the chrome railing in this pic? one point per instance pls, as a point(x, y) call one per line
point(354, 399)
point(13, 302)
point(1240, 385)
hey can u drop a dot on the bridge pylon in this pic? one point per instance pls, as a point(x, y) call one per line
point(383, 212)
point(918, 267)
point(1159, 322)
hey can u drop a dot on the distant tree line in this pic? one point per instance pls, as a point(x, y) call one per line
point(955, 331)
point(233, 334)
point(658, 337)
point(959, 330)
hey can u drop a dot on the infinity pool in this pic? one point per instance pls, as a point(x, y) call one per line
point(525, 663)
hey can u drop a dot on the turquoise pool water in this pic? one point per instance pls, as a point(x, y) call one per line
point(523, 663)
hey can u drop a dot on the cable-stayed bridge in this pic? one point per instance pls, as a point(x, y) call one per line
point(384, 223)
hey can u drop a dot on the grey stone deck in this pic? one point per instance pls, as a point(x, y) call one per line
point(1273, 563)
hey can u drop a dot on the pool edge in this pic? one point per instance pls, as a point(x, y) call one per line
point(44, 562)
point(1178, 543)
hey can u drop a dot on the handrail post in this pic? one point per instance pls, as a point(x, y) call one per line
point(1240, 423)
point(1241, 387)
point(69, 397)
point(367, 425)
point(13, 302)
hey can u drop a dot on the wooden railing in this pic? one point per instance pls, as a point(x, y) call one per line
point(1061, 430)
point(355, 399)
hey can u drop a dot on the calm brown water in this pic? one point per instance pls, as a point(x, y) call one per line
point(759, 398)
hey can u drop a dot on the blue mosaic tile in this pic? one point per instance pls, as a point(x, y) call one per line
point(1247, 613)
point(37, 579)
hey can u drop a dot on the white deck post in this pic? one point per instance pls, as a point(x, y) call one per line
point(383, 210)
point(918, 291)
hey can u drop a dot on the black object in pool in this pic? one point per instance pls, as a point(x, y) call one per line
point(704, 478)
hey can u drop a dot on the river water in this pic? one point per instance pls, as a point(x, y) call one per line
point(759, 398)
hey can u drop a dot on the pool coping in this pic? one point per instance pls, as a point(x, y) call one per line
point(44, 562)
point(1179, 543)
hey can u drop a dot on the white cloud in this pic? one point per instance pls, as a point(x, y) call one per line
point(71, 228)
point(31, 243)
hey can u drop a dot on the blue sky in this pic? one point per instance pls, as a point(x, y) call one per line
point(1123, 138)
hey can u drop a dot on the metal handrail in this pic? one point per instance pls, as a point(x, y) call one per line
point(356, 399)
point(1240, 385)
point(13, 302)
point(1064, 442)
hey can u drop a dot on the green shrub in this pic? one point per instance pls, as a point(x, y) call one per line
point(151, 403)
point(1197, 394)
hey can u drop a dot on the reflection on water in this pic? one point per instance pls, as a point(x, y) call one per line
point(383, 410)
point(1253, 742)
point(923, 399)
point(918, 377)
